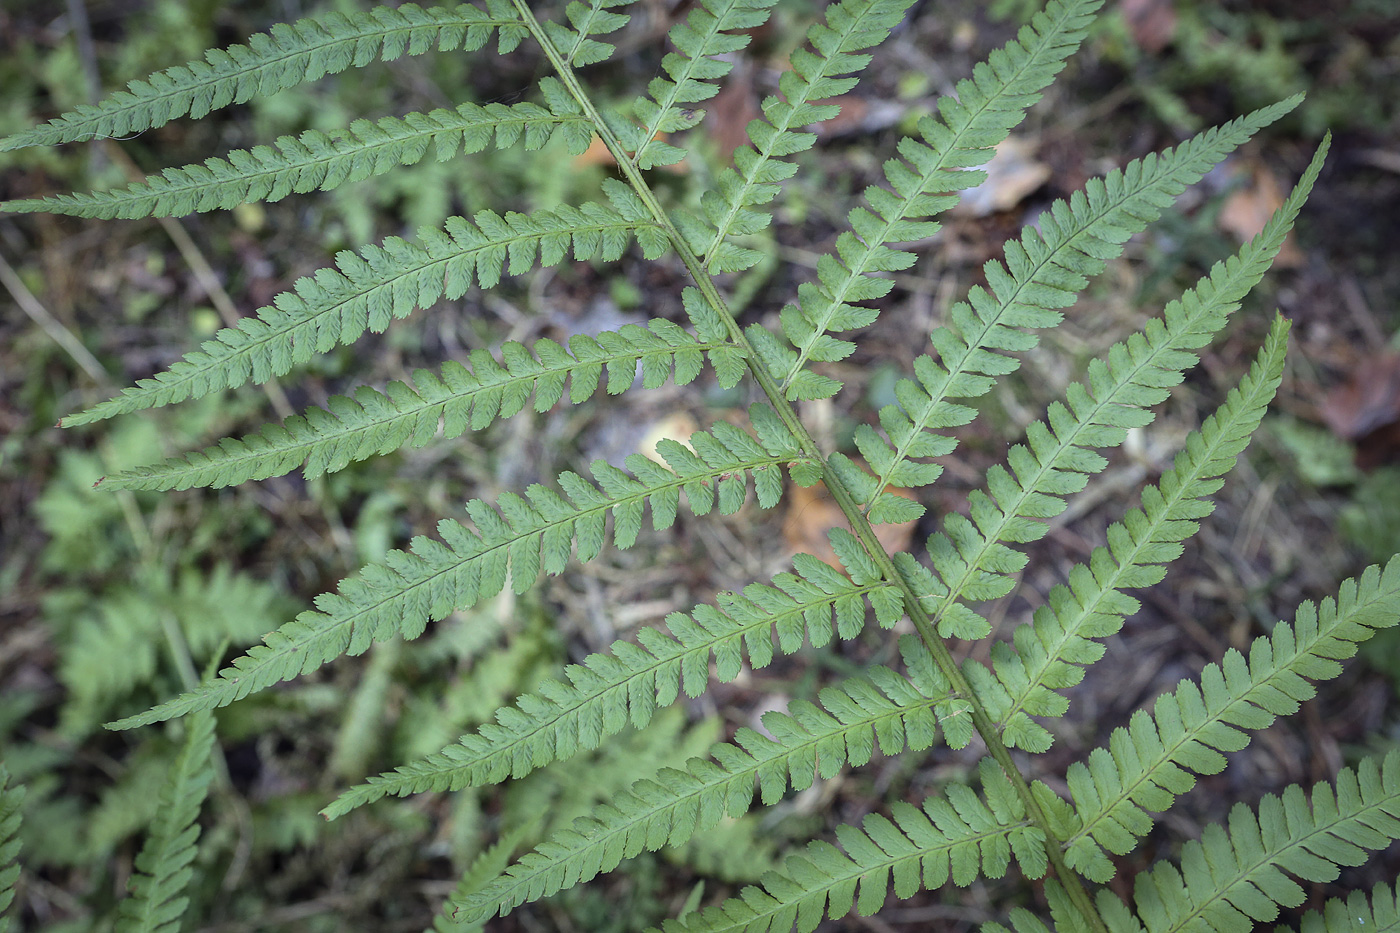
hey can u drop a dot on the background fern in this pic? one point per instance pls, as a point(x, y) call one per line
point(444, 602)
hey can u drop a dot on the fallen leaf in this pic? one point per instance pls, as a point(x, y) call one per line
point(728, 113)
point(1152, 23)
point(812, 512)
point(1366, 409)
point(858, 115)
point(597, 154)
point(1012, 175)
point(1249, 208)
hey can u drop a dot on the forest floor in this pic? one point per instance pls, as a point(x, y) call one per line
point(91, 306)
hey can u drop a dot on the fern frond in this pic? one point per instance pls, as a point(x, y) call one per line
point(1067, 917)
point(376, 423)
point(1150, 763)
point(849, 26)
point(156, 903)
point(383, 283)
point(1232, 879)
point(590, 19)
point(809, 740)
point(316, 160)
point(1138, 549)
point(1380, 913)
point(10, 799)
point(987, 106)
point(629, 683)
point(971, 555)
point(288, 55)
point(1044, 271)
point(703, 34)
point(433, 578)
point(1094, 606)
point(962, 838)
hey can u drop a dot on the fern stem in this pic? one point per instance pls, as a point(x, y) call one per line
point(845, 500)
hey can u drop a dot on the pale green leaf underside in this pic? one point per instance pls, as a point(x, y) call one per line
point(320, 161)
point(1232, 880)
point(165, 864)
point(962, 838)
point(1044, 271)
point(400, 596)
point(1380, 913)
point(981, 116)
point(631, 681)
point(290, 54)
point(437, 405)
point(691, 72)
point(1148, 764)
point(1093, 605)
point(11, 796)
point(594, 18)
point(848, 27)
point(1228, 882)
point(382, 283)
point(809, 741)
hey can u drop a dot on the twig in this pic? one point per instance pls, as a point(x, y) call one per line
point(60, 334)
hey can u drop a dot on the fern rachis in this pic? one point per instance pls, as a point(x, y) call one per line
point(1225, 881)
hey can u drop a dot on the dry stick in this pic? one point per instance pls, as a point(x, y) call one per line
point(51, 325)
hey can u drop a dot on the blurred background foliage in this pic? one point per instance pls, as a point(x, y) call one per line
point(176, 580)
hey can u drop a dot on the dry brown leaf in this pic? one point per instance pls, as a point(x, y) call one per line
point(728, 113)
point(1366, 410)
point(858, 115)
point(1369, 399)
point(677, 426)
point(1012, 175)
point(597, 154)
point(811, 513)
point(1249, 208)
point(1152, 23)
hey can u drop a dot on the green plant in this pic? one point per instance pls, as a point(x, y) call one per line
point(1234, 875)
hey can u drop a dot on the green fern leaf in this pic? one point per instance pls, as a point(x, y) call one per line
point(1093, 606)
point(285, 57)
point(315, 160)
point(808, 741)
point(1149, 537)
point(1231, 880)
point(1146, 765)
point(1380, 913)
point(986, 108)
point(849, 26)
point(11, 796)
point(164, 867)
point(591, 19)
point(961, 838)
point(375, 423)
point(1044, 270)
point(484, 867)
point(1067, 917)
point(703, 34)
point(433, 578)
point(383, 283)
point(607, 692)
